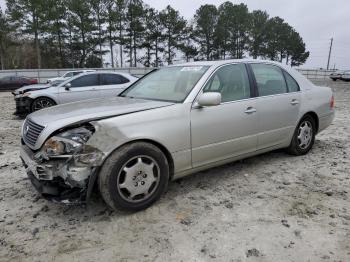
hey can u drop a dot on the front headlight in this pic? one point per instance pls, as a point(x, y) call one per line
point(68, 142)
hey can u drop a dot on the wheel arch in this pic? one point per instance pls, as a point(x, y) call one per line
point(314, 116)
point(44, 96)
point(164, 150)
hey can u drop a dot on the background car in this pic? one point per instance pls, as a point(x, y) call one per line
point(345, 76)
point(336, 75)
point(173, 122)
point(14, 82)
point(68, 75)
point(81, 87)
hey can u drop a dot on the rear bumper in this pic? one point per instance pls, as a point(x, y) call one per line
point(22, 105)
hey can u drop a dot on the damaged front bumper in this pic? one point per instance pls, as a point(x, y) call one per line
point(67, 179)
point(22, 105)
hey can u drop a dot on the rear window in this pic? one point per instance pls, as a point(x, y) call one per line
point(291, 83)
point(113, 79)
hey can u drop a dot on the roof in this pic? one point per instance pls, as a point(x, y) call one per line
point(222, 62)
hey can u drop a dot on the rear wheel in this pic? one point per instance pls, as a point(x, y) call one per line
point(41, 103)
point(134, 177)
point(304, 137)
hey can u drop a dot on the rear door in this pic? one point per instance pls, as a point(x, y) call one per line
point(112, 84)
point(277, 107)
point(82, 88)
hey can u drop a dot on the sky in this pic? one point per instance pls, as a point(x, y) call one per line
point(317, 21)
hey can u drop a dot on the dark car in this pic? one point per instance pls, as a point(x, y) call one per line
point(337, 75)
point(14, 82)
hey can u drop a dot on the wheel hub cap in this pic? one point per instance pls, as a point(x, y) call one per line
point(305, 134)
point(138, 179)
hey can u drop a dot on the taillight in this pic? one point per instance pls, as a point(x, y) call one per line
point(331, 104)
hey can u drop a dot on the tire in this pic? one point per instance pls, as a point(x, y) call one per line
point(128, 183)
point(304, 137)
point(41, 103)
point(334, 79)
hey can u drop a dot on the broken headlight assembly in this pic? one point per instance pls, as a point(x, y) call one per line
point(68, 142)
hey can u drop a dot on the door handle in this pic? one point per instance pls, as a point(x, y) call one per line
point(294, 102)
point(250, 110)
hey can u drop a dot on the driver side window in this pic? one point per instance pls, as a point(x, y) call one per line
point(231, 81)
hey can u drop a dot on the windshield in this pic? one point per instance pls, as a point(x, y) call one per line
point(167, 84)
point(56, 82)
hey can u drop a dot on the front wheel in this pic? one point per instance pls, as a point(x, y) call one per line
point(304, 137)
point(41, 103)
point(134, 177)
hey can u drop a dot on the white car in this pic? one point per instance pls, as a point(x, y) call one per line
point(68, 75)
point(81, 87)
point(345, 76)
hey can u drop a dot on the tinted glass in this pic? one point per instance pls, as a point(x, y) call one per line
point(87, 80)
point(76, 73)
point(269, 79)
point(113, 79)
point(291, 83)
point(231, 81)
point(68, 75)
point(167, 84)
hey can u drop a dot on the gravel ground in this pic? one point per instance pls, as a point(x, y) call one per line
point(273, 207)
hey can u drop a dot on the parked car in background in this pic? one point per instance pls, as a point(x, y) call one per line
point(26, 89)
point(68, 75)
point(80, 87)
point(173, 122)
point(336, 75)
point(8, 83)
point(345, 76)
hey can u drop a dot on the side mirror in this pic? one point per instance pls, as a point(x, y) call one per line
point(68, 86)
point(209, 99)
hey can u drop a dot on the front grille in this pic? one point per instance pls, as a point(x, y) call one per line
point(31, 132)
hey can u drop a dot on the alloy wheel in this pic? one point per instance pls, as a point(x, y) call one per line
point(41, 104)
point(305, 134)
point(138, 179)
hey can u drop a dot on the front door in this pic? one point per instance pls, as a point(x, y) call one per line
point(229, 129)
point(82, 88)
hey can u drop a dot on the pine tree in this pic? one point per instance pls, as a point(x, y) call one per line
point(173, 25)
point(206, 19)
point(257, 33)
point(27, 14)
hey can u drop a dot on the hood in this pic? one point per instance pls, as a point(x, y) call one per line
point(25, 89)
point(57, 117)
point(55, 78)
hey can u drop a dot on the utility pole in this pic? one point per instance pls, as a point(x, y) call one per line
point(330, 52)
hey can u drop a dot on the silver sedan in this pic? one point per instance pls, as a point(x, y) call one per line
point(173, 122)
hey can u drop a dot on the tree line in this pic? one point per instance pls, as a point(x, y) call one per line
point(119, 33)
